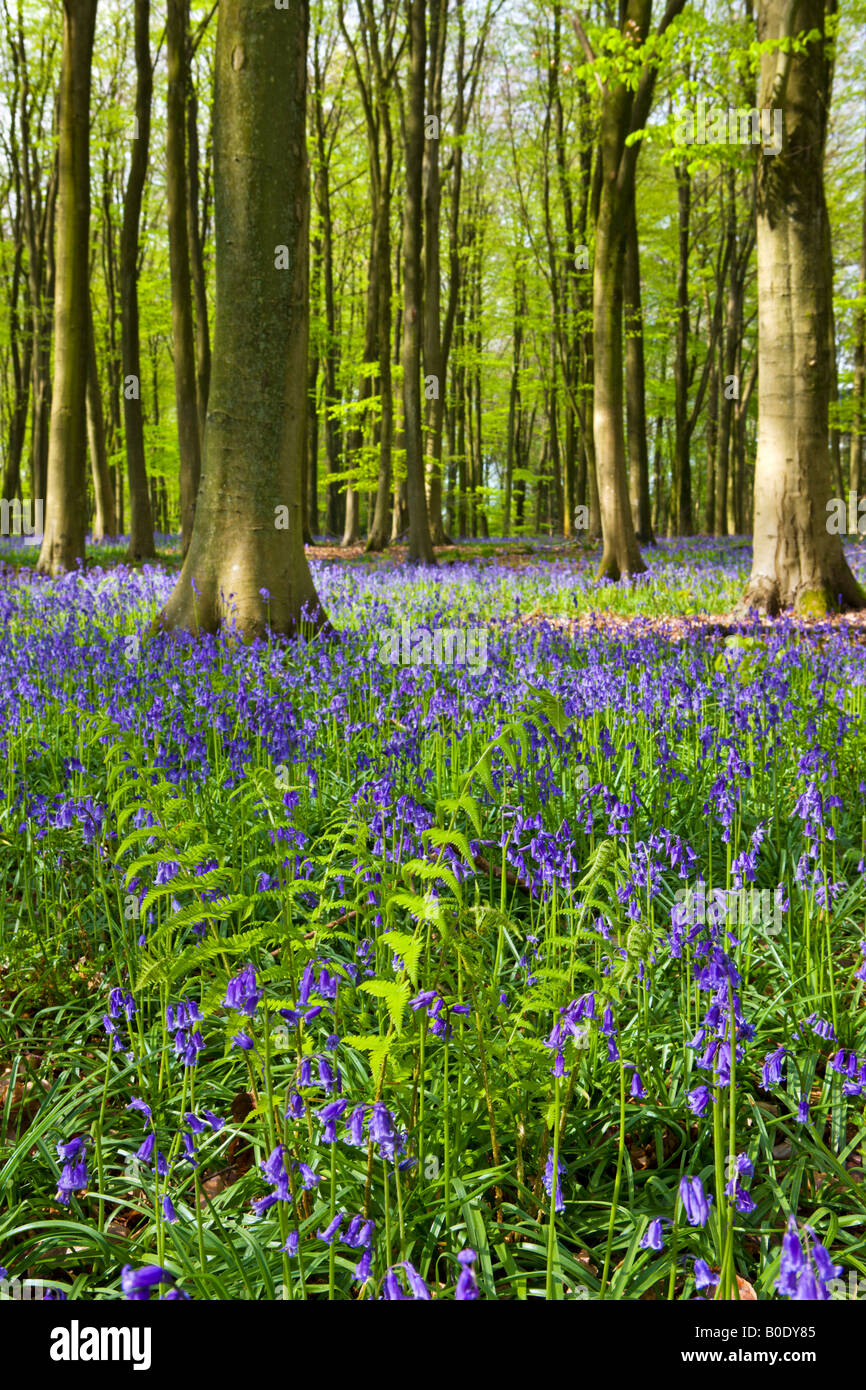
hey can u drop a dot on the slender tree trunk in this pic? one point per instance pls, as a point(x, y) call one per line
point(380, 530)
point(569, 336)
point(620, 554)
point(712, 446)
point(434, 374)
point(66, 504)
point(355, 436)
point(638, 449)
point(420, 546)
point(682, 439)
point(39, 217)
point(141, 546)
point(797, 562)
point(245, 567)
point(333, 503)
point(310, 483)
point(460, 431)
point(105, 523)
point(196, 255)
point(512, 455)
point(186, 395)
point(625, 108)
point(733, 331)
point(21, 353)
point(858, 390)
point(476, 381)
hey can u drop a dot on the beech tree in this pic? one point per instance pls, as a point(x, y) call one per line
point(797, 563)
point(141, 520)
point(65, 518)
point(246, 564)
point(177, 195)
point(625, 106)
point(420, 545)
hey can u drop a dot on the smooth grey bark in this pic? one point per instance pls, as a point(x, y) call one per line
point(858, 389)
point(420, 546)
point(326, 128)
point(635, 391)
point(105, 522)
point(624, 111)
point(141, 546)
point(796, 563)
point(186, 392)
point(65, 518)
point(242, 568)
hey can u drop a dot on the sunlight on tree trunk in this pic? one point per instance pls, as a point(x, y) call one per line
point(65, 505)
point(141, 546)
point(624, 111)
point(186, 390)
point(246, 564)
point(796, 561)
point(420, 546)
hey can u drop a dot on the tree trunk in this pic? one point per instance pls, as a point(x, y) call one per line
point(682, 439)
point(512, 453)
point(244, 568)
point(635, 388)
point(738, 253)
point(105, 523)
point(712, 430)
point(624, 111)
point(21, 353)
point(38, 208)
point(620, 554)
point(65, 520)
point(569, 336)
point(434, 367)
point(333, 504)
point(858, 389)
point(310, 481)
point(420, 546)
point(796, 561)
point(355, 436)
point(141, 546)
point(380, 530)
point(196, 255)
point(181, 289)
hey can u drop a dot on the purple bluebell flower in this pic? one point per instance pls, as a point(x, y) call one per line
point(695, 1201)
point(559, 1204)
point(331, 1230)
point(467, 1284)
point(243, 993)
point(704, 1276)
point(416, 1283)
point(137, 1283)
point(771, 1073)
point(699, 1099)
point(652, 1237)
point(329, 1115)
point(145, 1152)
point(382, 1129)
point(136, 1104)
